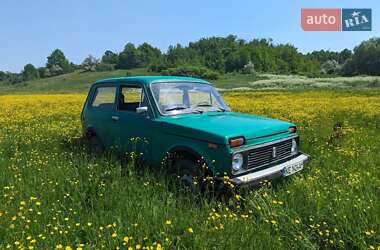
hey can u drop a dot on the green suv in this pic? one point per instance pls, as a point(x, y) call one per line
point(184, 123)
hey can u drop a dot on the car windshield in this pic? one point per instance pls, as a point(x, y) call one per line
point(187, 97)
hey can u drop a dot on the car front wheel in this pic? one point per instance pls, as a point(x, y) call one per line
point(188, 174)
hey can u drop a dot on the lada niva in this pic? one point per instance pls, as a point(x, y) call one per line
point(157, 117)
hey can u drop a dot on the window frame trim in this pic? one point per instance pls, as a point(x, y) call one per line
point(136, 85)
point(179, 81)
point(94, 95)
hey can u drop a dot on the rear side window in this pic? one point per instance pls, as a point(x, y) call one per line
point(104, 98)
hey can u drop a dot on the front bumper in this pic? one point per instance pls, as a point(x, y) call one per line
point(268, 173)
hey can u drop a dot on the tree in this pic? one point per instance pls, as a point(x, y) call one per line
point(330, 67)
point(236, 60)
point(129, 57)
point(56, 61)
point(89, 64)
point(109, 57)
point(2, 76)
point(344, 55)
point(44, 72)
point(249, 68)
point(178, 55)
point(13, 78)
point(213, 51)
point(74, 66)
point(349, 68)
point(55, 70)
point(263, 56)
point(366, 57)
point(30, 72)
point(289, 54)
point(148, 54)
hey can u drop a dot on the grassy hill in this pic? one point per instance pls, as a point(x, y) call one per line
point(80, 82)
point(72, 82)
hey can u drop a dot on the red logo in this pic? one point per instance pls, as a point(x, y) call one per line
point(321, 19)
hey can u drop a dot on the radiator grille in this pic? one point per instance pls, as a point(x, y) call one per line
point(262, 156)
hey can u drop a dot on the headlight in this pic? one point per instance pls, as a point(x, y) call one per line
point(294, 149)
point(292, 129)
point(237, 162)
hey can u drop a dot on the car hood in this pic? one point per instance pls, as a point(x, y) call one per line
point(219, 127)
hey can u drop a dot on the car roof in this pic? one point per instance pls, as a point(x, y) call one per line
point(150, 79)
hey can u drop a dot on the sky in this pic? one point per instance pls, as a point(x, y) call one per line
point(31, 30)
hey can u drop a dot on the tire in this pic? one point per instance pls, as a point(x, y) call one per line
point(187, 173)
point(95, 145)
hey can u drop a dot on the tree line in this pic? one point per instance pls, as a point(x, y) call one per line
point(210, 57)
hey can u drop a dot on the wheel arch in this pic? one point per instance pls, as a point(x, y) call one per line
point(189, 152)
point(90, 132)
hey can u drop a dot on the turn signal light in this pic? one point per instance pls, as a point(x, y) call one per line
point(213, 146)
point(234, 142)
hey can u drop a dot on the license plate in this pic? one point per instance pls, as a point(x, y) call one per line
point(289, 170)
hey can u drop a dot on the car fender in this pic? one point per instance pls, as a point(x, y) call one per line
point(188, 149)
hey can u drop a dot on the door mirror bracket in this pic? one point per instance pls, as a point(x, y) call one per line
point(142, 110)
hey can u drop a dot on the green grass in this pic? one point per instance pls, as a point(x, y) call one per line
point(53, 193)
point(236, 80)
point(80, 82)
point(271, 81)
point(67, 83)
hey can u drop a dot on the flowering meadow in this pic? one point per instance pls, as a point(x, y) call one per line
point(55, 195)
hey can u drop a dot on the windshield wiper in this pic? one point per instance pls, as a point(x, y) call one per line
point(202, 104)
point(182, 108)
point(175, 108)
point(219, 109)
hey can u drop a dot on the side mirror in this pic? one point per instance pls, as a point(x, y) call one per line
point(142, 110)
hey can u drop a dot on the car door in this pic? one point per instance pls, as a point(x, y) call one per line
point(134, 123)
point(99, 115)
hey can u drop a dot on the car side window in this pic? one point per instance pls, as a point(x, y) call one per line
point(131, 98)
point(104, 98)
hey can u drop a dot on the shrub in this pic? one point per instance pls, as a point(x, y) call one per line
point(349, 68)
point(157, 67)
point(89, 64)
point(13, 78)
point(249, 68)
point(330, 67)
point(56, 70)
point(44, 72)
point(57, 63)
point(2, 76)
point(30, 72)
point(191, 71)
point(366, 57)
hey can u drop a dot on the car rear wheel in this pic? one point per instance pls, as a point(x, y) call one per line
point(95, 145)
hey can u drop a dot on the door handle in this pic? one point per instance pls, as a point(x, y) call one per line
point(115, 118)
